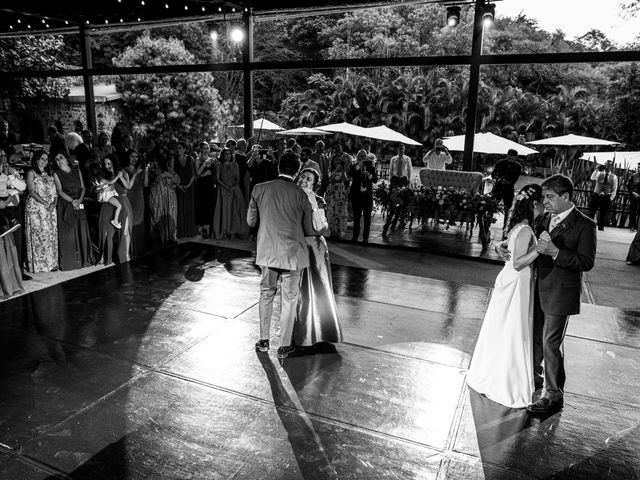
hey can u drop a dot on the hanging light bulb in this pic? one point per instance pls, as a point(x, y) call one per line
point(214, 36)
point(219, 9)
point(237, 35)
point(204, 9)
point(43, 21)
point(66, 22)
point(10, 27)
point(138, 18)
point(186, 7)
point(121, 21)
point(488, 14)
point(46, 25)
point(453, 16)
point(166, 5)
point(106, 21)
point(142, 3)
point(19, 21)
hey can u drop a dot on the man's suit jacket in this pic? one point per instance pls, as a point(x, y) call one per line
point(357, 180)
point(559, 281)
point(285, 216)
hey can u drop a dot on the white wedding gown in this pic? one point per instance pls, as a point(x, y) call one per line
point(502, 363)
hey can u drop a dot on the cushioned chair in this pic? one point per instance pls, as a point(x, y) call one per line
point(470, 181)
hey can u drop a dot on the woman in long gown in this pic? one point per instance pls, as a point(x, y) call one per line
point(163, 206)
point(206, 194)
point(502, 363)
point(74, 242)
point(185, 193)
point(317, 313)
point(633, 256)
point(106, 229)
point(230, 217)
point(10, 273)
point(337, 198)
point(41, 224)
point(138, 181)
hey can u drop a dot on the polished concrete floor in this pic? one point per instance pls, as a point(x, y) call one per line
point(147, 371)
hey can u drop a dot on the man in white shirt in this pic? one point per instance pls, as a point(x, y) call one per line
point(604, 192)
point(400, 169)
point(438, 157)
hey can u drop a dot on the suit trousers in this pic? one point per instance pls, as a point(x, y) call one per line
point(505, 192)
point(633, 211)
point(289, 292)
point(548, 335)
point(362, 207)
point(603, 203)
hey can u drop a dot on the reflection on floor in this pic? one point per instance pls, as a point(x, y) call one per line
point(148, 371)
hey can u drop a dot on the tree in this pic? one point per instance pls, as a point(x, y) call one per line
point(623, 105)
point(162, 106)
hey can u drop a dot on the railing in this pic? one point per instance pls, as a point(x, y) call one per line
point(618, 215)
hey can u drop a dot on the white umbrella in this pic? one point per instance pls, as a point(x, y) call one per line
point(264, 124)
point(630, 159)
point(385, 133)
point(303, 132)
point(344, 127)
point(572, 140)
point(487, 143)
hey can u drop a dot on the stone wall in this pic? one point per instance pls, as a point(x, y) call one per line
point(32, 122)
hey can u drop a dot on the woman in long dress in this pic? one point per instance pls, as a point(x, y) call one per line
point(206, 165)
point(10, 273)
point(230, 217)
point(138, 180)
point(163, 205)
point(185, 193)
point(74, 242)
point(106, 229)
point(502, 363)
point(337, 198)
point(41, 224)
point(317, 313)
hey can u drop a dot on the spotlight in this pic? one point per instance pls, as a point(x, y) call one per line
point(453, 16)
point(214, 36)
point(488, 14)
point(237, 35)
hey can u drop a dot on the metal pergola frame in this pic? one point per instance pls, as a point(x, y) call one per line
point(248, 66)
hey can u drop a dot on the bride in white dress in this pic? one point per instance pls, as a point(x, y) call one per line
point(502, 363)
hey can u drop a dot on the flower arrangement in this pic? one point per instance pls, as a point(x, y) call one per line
point(445, 204)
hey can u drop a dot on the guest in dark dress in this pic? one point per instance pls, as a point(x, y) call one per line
point(138, 180)
point(231, 211)
point(183, 165)
point(206, 193)
point(633, 257)
point(74, 242)
point(106, 230)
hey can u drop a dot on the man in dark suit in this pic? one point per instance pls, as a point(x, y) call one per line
point(506, 174)
point(285, 218)
point(363, 177)
point(567, 247)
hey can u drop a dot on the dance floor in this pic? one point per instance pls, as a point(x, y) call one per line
point(148, 371)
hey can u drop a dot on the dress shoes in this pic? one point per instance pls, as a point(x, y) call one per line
point(262, 345)
point(284, 352)
point(544, 406)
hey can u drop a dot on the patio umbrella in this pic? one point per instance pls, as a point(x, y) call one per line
point(572, 140)
point(487, 143)
point(385, 133)
point(344, 127)
point(303, 132)
point(629, 159)
point(264, 124)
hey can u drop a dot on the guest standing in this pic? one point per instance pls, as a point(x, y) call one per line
point(506, 174)
point(337, 198)
point(184, 167)
point(104, 147)
point(230, 215)
point(363, 176)
point(206, 193)
point(438, 157)
point(10, 272)
point(138, 180)
point(74, 242)
point(106, 230)
point(604, 191)
point(633, 188)
point(41, 225)
point(163, 204)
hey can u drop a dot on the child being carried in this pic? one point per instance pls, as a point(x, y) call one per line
point(107, 193)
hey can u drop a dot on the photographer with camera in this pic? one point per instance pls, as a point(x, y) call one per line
point(604, 191)
point(438, 157)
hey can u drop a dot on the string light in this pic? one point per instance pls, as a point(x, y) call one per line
point(46, 25)
point(166, 5)
point(138, 18)
point(66, 22)
point(19, 21)
point(43, 21)
point(219, 9)
point(142, 3)
point(203, 9)
point(10, 27)
point(106, 21)
point(121, 20)
point(87, 22)
point(233, 9)
point(186, 7)
point(28, 26)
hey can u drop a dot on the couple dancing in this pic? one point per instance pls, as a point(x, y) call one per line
point(290, 247)
point(534, 294)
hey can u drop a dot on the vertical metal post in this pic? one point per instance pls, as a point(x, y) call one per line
point(87, 63)
point(474, 84)
point(247, 59)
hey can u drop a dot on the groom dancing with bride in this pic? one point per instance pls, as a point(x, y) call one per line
point(534, 294)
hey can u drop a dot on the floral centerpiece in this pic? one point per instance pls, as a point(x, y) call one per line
point(444, 204)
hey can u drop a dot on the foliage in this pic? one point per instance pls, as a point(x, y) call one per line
point(446, 204)
point(39, 53)
point(161, 106)
point(623, 105)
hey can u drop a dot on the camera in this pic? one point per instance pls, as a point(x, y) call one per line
point(600, 168)
point(263, 152)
